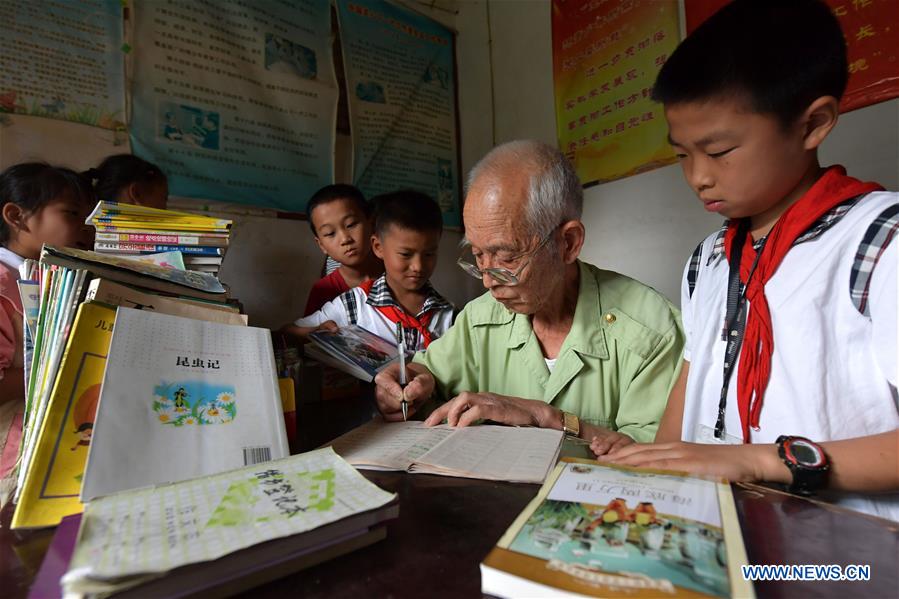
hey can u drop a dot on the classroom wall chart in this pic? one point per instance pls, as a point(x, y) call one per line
point(63, 60)
point(236, 101)
point(400, 77)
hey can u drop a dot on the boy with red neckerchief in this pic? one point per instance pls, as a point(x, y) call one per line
point(790, 310)
point(407, 230)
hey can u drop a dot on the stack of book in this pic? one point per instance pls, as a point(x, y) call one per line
point(126, 229)
point(70, 300)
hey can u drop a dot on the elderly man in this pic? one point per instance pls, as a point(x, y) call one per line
point(555, 342)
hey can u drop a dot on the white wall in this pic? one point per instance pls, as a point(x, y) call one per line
point(647, 225)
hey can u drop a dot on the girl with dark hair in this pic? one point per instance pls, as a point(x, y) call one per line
point(39, 204)
point(130, 180)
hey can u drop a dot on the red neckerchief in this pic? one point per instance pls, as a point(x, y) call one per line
point(833, 188)
point(396, 314)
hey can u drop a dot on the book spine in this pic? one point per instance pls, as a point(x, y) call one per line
point(156, 230)
point(149, 248)
point(155, 238)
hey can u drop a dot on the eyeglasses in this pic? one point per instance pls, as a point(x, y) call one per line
point(503, 276)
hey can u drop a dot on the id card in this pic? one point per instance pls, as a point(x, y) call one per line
point(706, 434)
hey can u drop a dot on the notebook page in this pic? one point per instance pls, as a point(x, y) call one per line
point(495, 453)
point(388, 445)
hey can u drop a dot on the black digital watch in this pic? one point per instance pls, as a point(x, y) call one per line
point(807, 461)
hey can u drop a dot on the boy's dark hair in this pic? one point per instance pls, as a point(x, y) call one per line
point(782, 54)
point(407, 209)
point(339, 191)
point(33, 185)
point(119, 171)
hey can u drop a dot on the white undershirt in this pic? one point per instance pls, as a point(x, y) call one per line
point(550, 363)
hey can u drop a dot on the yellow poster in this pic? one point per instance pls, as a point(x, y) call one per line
point(606, 55)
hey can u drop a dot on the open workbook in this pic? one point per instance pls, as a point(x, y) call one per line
point(516, 454)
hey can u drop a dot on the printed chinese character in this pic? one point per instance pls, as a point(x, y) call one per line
point(182, 361)
point(863, 32)
point(858, 65)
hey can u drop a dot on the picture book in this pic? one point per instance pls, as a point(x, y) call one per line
point(126, 247)
point(106, 211)
point(162, 238)
point(125, 270)
point(182, 398)
point(52, 482)
point(61, 291)
point(353, 350)
point(516, 454)
point(610, 531)
point(103, 290)
point(258, 515)
point(164, 259)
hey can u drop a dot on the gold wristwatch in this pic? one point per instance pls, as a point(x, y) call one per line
point(571, 424)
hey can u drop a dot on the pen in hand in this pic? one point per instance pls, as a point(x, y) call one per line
point(401, 350)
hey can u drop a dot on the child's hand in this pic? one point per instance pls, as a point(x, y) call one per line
point(329, 326)
point(608, 442)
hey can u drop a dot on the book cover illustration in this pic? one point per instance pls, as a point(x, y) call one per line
point(622, 531)
point(187, 278)
point(52, 486)
point(156, 529)
point(182, 398)
point(194, 403)
point(357, 346)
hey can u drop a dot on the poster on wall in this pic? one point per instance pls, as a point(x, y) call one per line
point(402, 102)
point(236, 101)
point(606, 56)
point(871, 29)
point(63, 60)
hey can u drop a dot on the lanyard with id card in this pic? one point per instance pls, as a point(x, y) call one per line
point(734, 325)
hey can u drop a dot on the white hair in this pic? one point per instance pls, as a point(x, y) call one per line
point(554, 194)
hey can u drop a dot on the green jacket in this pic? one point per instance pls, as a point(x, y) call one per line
point(615, 368)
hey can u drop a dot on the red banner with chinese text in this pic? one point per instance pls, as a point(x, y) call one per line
point(606, 55)
point(871, 28)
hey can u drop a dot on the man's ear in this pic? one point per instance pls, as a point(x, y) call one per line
point(132, 193)
point(818, 121)
point(15, 217)
point(572, 235)
point(376, 246)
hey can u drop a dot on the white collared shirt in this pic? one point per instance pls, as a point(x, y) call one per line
point(833, 368)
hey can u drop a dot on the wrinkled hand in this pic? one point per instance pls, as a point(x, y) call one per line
point(468, 407)
point(736, 463)
point(389, 394)
point(608, 441)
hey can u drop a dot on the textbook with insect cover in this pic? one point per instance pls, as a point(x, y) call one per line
point(182, 398)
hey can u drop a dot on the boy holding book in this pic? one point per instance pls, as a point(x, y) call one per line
point(339, 219)
point(790, 310)
point(407, 230)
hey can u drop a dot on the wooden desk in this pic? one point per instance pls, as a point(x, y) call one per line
point(448, 525)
